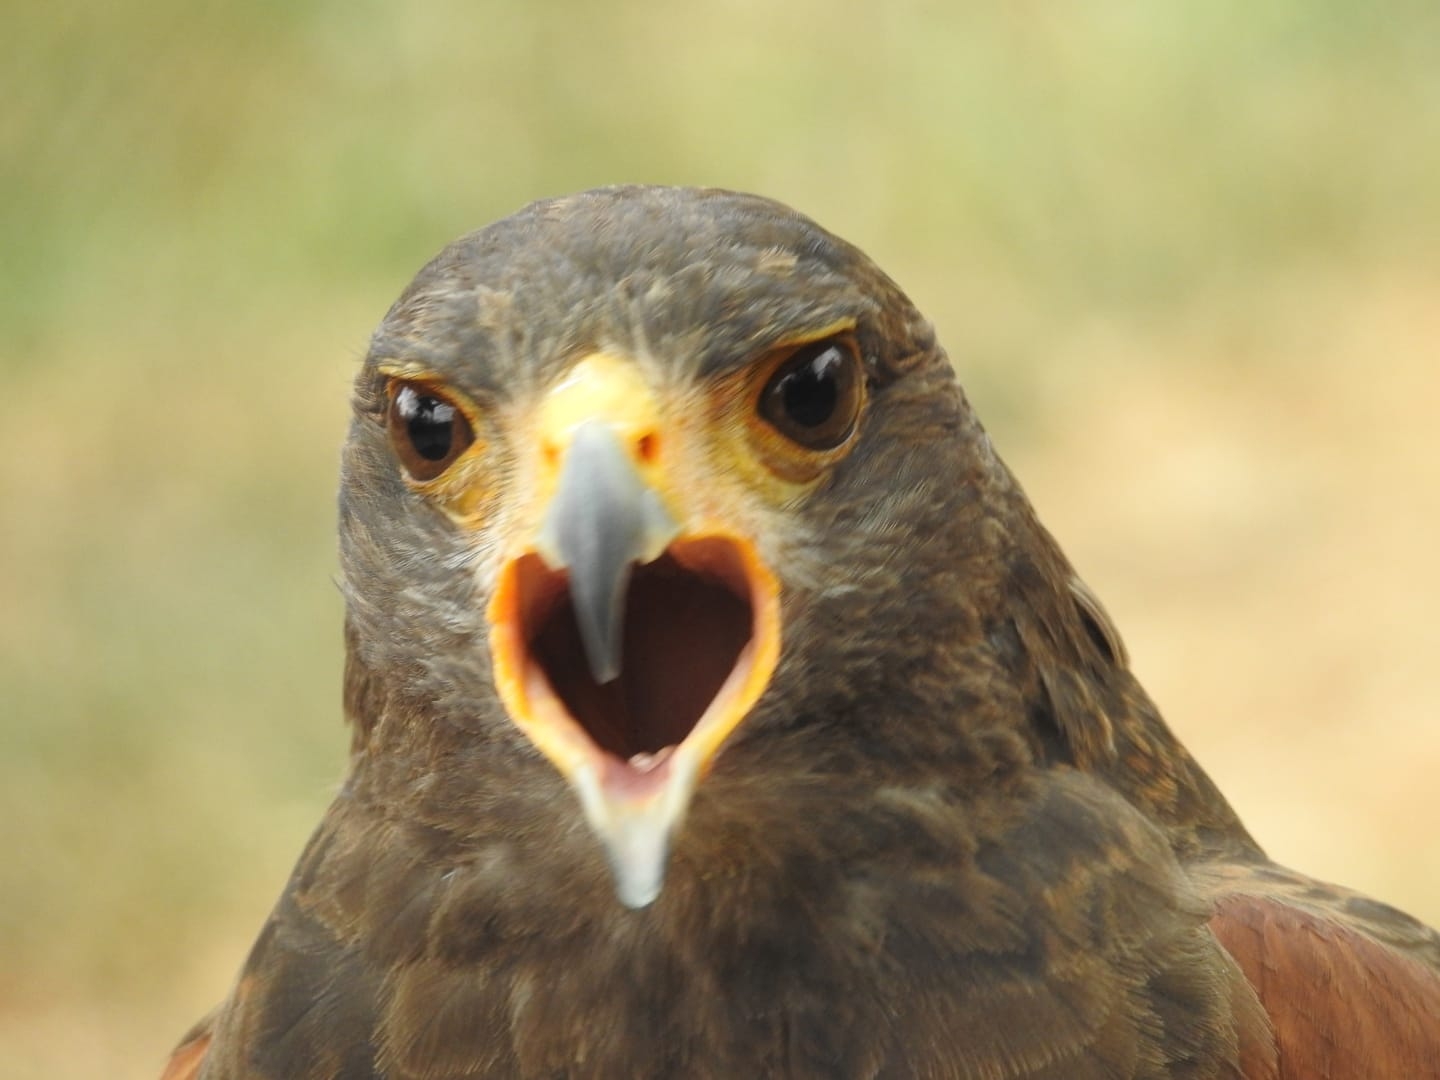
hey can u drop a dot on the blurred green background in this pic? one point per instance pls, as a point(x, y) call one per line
point(1186, 258)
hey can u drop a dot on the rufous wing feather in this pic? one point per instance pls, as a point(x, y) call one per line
point(1343, 1005)
point(186, 1059)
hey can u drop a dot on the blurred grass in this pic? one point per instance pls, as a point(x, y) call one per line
point(1185, 258)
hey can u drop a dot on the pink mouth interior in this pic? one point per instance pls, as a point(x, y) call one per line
point(688, 618)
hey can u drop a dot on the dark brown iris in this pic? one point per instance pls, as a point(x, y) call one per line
point(813, 397)
point(427, 429)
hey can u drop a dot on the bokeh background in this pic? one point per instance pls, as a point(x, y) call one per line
point(1186, 258)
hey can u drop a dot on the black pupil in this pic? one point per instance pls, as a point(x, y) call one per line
point(430, 423)
point(811, 389)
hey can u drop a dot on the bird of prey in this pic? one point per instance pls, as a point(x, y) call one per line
point(721, 710)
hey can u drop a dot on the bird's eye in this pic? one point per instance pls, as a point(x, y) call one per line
point(427, 430)
point(813, 397)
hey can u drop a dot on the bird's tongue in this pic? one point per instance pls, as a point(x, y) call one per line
point(644, 763)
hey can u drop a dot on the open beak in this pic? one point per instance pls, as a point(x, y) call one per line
point(628, 641)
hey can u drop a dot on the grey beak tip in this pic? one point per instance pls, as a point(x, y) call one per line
point(602, 646)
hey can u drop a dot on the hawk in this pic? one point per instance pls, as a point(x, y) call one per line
point(720, 708)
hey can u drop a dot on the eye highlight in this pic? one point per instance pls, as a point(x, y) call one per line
point(813, 397)
point(427, 429)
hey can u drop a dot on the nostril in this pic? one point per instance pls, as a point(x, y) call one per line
point(646, 447)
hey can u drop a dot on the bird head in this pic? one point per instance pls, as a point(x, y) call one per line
point(644, 481)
